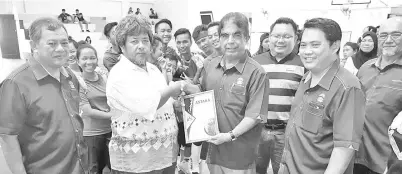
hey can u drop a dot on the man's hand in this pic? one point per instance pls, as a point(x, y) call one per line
point(397, 123)
point(220, 138)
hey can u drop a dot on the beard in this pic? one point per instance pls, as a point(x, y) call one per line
point(139, 61)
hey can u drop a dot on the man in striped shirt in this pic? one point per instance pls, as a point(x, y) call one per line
point(285, 70)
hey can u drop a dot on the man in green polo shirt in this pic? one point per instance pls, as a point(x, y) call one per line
point(240, 88)
point(327, 115)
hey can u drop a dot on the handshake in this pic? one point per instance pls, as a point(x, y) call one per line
point(181, 88)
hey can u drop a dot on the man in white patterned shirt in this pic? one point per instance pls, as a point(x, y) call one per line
point(144, 129)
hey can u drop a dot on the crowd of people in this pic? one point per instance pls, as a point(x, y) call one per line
point(294, 103)
point(77, 17)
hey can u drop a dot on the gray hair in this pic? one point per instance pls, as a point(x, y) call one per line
point(35, 30)
point(239, 19)
point(132, 25)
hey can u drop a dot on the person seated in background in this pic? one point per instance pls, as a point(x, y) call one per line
point(264, 47)
point(81, 20)
point(95, 111)
point(112, 54)
point(153, 14)
point(138, 11)
point(65, 17)
point(349, 50)
point(88, 40)
point(130, 10)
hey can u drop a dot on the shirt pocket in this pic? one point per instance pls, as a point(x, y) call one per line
point(392, 94)
point(312, 117)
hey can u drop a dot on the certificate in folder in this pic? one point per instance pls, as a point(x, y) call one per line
point(199, 116)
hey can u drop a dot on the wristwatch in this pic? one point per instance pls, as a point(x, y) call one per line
point(232, 136)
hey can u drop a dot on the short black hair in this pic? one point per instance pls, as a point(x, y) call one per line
point(156, 40)
point(239, 19)
point(372, 29)
point(71, 40)
point(182, 31)
point(285, 20)
point(167, 21)
point(212, 24)
point(77, 10)
point(331, 29)
point(172, 57)
point(198, 29)
point(108, 27)
point(138, 8)
point(81, 42)
point(63, 9)
point(150, 9)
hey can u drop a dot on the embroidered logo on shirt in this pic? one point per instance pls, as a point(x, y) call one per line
point(71, 84)
point(320, 98)
point(239, 81)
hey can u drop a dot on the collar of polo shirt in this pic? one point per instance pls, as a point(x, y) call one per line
point(239, 65)
point(41, 72)
point(329, 76)
point(376, 62)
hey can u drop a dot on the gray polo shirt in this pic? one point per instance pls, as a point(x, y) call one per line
point(240, 91)
point(43, 112)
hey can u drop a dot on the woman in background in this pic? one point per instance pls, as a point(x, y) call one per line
point(95, 110)
point(88, 40)
point(264, 40)
point(368, 49)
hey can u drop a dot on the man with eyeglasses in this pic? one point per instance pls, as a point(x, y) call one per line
point(285, 70)
point(382, 82)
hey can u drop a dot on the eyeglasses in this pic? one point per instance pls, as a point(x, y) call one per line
point(394, 36)
point(284, 37)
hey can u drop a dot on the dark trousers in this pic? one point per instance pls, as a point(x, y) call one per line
point(98, 152)
point(361, 169)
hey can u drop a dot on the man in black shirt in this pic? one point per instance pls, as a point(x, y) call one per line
point(64, 17)
point(81, 20)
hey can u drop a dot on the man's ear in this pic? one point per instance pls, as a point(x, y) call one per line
point(33, 45)
point(336, 46)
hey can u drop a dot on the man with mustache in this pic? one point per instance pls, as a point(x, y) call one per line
point(285, 70)
point(327, 115)
point(240, 88)
point(41, 130)
point(144, 128)
point(382, 84)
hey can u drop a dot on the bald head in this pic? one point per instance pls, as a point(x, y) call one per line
point(390, 37)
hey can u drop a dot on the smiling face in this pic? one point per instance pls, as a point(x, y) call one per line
point(232, 39)
point(316, 51)
point(367, 44)
point(204, 45)
point(88, 60)
point(282, 39)
point(52, 50)
point(72, 58)
point(183, 43)
point(213, 36)
point(390, 37)
point(137, 49)
point(165, 32)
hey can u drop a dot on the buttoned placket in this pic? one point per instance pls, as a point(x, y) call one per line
point(67, 95)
